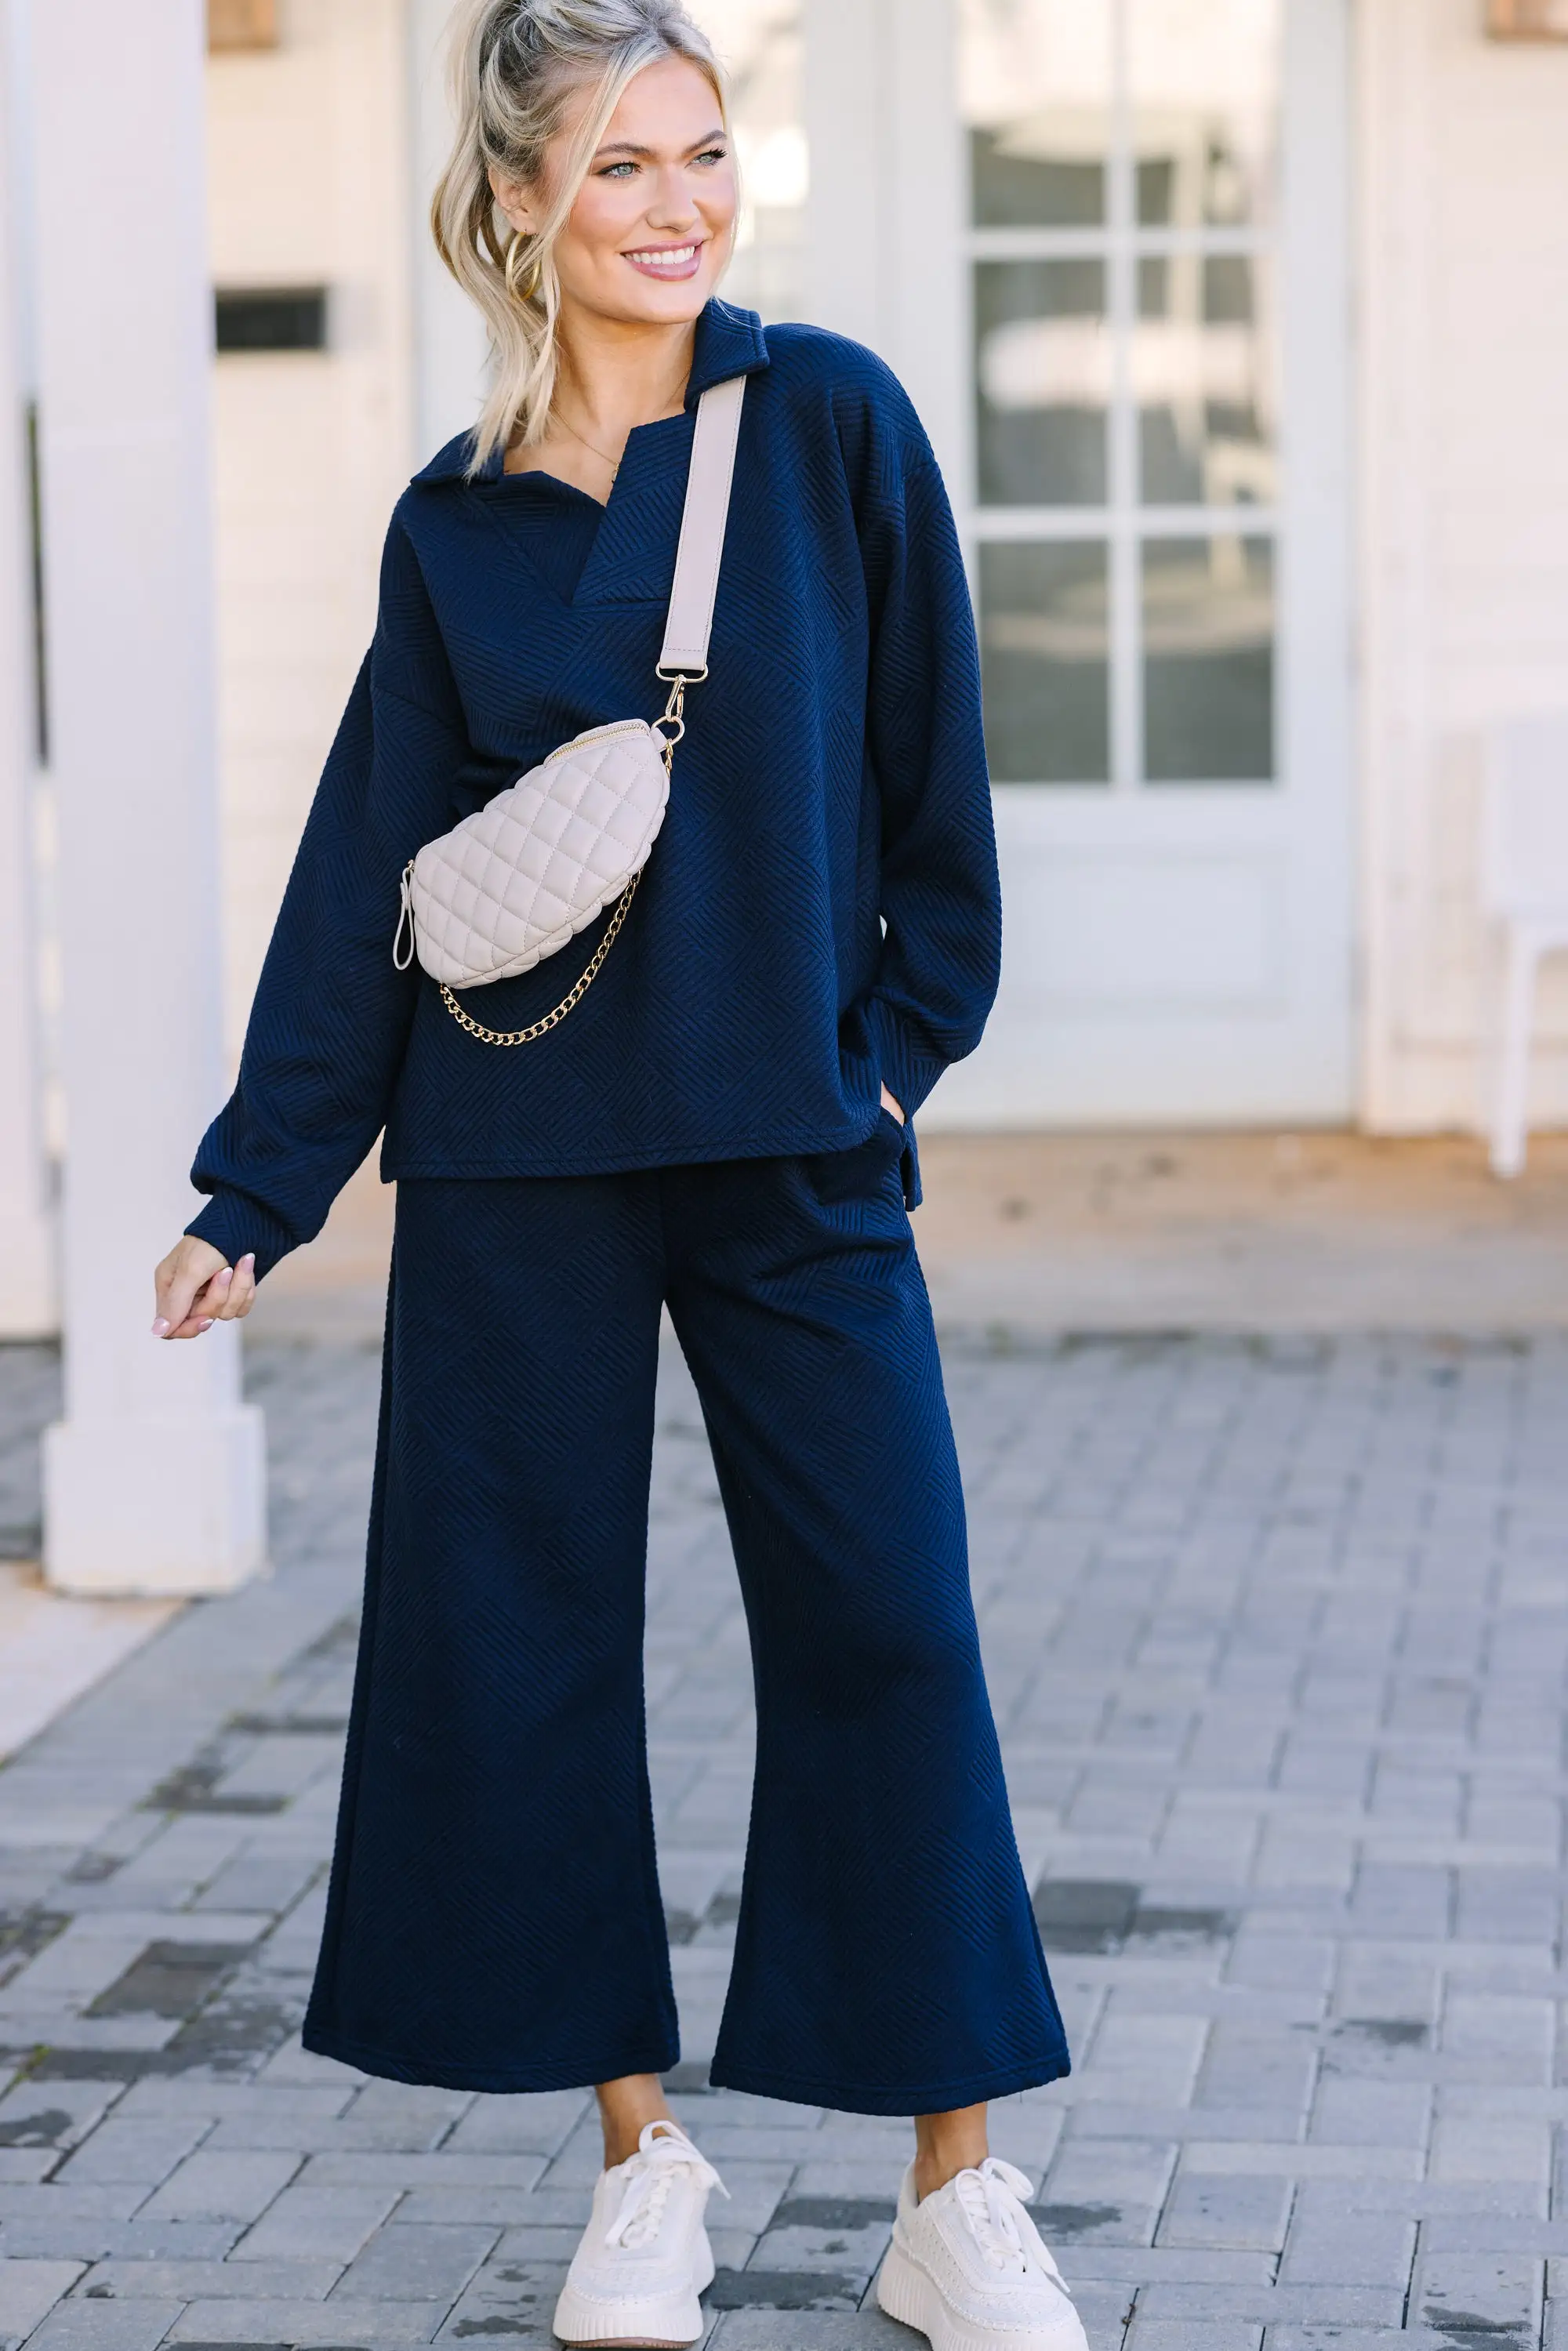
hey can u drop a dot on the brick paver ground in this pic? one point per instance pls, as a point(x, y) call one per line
point(1276, 1633)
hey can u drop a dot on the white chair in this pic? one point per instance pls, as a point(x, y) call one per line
point(1524, 889)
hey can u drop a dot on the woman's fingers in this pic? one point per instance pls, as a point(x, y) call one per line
point(240, 1293)
point(191, 1328)
point(226, 1297)
point(184, 1290)
point(203, 1310)
point(177, 1283)
point(214, 1296)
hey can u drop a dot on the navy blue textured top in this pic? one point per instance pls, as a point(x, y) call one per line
point(821, 912)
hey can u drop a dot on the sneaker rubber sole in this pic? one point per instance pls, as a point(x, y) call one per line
point(905, 2292)
point(671, 2322)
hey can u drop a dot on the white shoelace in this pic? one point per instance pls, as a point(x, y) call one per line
point(989, 2200)
point(650, 2175)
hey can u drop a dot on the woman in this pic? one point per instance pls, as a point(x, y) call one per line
point(720, 1126)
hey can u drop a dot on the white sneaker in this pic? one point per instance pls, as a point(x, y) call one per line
point(966, 2267)
point(645, 2256)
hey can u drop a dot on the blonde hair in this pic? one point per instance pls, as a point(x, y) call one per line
point(516, 66)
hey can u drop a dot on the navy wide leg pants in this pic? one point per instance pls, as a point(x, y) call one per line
point(493, 1920)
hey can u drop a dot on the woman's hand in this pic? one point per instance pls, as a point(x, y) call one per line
point(197, 1286)
point(888, 1103)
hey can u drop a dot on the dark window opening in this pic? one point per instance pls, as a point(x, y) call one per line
point(272, 318)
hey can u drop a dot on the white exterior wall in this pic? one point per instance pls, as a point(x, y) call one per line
point(887, 154)
point(308, 185)
point(1464, 485)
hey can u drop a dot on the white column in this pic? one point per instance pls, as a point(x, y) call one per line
point(153, 1481)
point(28, 1308)
point(885, 207)
point(451, 351)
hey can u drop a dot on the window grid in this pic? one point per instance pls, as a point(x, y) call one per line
point(1138, 523)
point(1122, 525)
point(1081, 244)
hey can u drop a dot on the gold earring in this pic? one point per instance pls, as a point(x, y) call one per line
point(521, 293)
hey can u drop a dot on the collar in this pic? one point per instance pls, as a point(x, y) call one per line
point(730, 341)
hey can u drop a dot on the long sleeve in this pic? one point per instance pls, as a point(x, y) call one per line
point(329, 1023)
point(941, 899)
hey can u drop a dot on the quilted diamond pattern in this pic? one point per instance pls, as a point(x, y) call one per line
point(523, 874)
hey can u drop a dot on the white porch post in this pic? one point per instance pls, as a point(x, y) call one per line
point(27, 1301)
point(153, 1481)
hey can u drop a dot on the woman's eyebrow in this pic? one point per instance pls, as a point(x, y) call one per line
point(630, 146)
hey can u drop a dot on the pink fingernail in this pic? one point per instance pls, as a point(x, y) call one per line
point(207, 1322)
point(159, 1328)
point(249, 1257)
point(227, 1274)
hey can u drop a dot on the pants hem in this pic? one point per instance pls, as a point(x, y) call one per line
point(434, 2074)
point(873, 2098)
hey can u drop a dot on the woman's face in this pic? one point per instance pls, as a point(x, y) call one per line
point(650, 231)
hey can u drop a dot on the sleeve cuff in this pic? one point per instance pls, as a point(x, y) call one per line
point(906, 1070)
point(236, 1224)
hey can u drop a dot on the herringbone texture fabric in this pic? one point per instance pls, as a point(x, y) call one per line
point(822, 914)
point(495, 1920)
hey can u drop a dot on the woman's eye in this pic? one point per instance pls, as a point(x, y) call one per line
point(715, 155)
point(614, 171)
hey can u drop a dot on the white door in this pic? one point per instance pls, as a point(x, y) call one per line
point(1152, 483)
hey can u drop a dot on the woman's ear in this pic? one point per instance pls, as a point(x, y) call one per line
point(512, 197)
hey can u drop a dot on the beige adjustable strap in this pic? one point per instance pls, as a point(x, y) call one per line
point(701, 548)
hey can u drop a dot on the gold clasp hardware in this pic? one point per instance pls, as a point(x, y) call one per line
point(672, 718)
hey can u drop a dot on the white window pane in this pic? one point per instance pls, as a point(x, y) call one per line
point(1209, 659)
point(1205, 88)
point(1044, 656)
point(1202, 373)
point(759, 42)
point(1035, 87)
point(1043, 381)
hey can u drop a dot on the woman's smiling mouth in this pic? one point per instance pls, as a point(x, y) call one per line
point(673, 261)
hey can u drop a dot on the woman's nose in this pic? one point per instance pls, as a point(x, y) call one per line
point(671, 207)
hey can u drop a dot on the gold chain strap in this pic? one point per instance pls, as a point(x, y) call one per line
point(568, 1002)
point(671, 716)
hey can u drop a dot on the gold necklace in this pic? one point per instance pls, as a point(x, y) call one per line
point(613, 463)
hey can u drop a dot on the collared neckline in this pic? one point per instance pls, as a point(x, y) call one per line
point(730, 341)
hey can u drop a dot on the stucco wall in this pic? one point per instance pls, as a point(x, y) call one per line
point(1463, 344)
point(308, 185)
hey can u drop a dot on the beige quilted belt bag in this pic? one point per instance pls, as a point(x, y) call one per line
point(526, 872)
